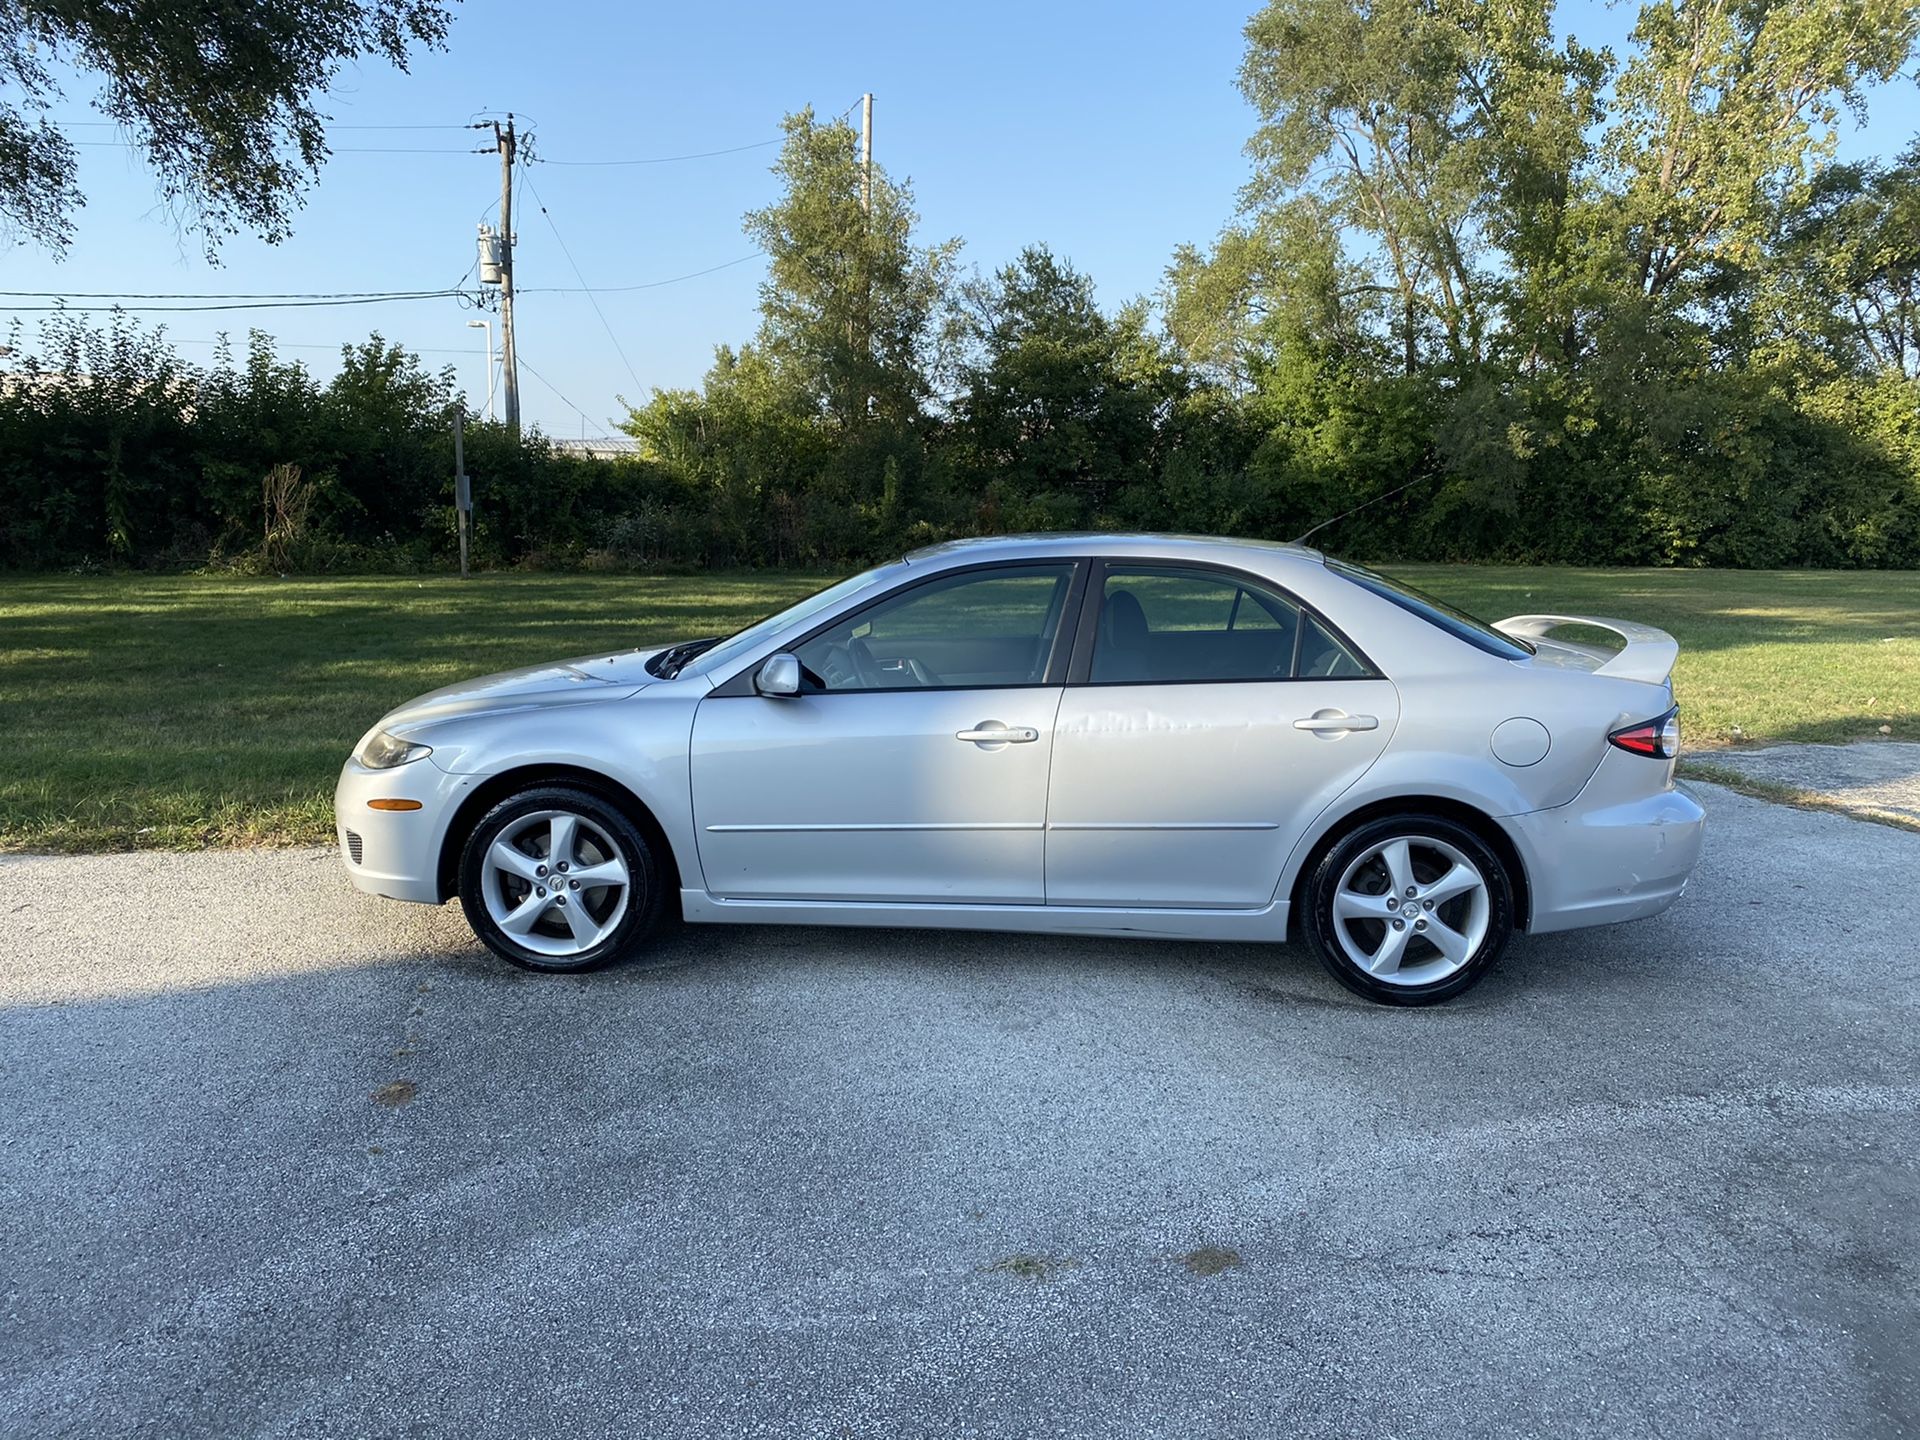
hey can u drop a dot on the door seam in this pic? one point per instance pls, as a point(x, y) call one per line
point(1046, 804)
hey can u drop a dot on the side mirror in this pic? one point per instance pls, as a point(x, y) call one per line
point(779, 675)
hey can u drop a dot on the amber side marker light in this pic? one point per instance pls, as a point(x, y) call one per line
point(393, 804)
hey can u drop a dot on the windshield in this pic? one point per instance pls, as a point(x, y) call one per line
point(818, 603)
point(1457, 623)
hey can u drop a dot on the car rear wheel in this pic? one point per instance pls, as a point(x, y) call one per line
point(557, 879)
point(1409, 910)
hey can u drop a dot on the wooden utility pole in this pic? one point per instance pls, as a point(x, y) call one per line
point(462, 487)
point(866, 153)
point(509, 359)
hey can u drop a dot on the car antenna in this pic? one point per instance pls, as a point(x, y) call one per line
point(1361, 506)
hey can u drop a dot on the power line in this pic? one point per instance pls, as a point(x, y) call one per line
point(344, 296)
point(646, 285)
point(216, 295)
point(332, 150)
point(244, 305)
point(592, 299)
point(335, 348)
point(331, 125)
point(665, 159)
point(448, 150)
point(556, 390)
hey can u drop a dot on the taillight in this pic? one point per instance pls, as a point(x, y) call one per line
point(1657, 739)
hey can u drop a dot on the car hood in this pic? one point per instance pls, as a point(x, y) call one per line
point(583, 680)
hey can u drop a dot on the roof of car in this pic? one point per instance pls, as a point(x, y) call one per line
point(1194, 547)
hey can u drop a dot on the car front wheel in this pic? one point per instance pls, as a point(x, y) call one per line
point(556, 878)
point(1409, 910)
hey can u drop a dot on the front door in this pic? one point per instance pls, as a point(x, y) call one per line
point(1217, 717)
point(911, 768)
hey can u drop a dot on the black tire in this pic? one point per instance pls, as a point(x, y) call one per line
point(643, 899)
point(1323, 930)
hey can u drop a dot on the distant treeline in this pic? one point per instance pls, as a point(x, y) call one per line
point(1570, 307)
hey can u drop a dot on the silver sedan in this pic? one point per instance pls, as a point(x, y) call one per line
point(1086, 734)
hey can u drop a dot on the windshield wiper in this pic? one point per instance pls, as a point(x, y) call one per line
point(669, 661)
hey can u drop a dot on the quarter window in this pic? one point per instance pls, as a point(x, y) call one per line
point(1164, 625)
point(981, 629)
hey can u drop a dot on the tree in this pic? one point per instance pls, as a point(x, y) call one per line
point(1059, 402)
point(848, 304)
point(1281, 280)
point(222, 99)
point(1726, 112)
point(1440, 144)
point(1850, 262)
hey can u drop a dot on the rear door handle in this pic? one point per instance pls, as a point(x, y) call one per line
point(1328, 722)
point(992, 732)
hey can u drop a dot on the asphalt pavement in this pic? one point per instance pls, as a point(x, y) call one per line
point(278, 1159)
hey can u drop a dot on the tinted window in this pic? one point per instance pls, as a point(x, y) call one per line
point(1457, 623)
point(986, 628)
point(1164, 625)
point(1324, 657)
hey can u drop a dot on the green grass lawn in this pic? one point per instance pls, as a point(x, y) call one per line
point(181, 711)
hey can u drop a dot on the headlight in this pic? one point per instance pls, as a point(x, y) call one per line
point(381, 751)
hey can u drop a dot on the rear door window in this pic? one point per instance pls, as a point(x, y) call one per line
point(1164, 625)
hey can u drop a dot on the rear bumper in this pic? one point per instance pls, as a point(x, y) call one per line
point(395, 853)
point(1608, 857)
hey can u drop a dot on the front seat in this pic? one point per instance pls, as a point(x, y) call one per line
point(1120, 649)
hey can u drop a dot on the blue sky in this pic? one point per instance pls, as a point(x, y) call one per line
point(1112, 132)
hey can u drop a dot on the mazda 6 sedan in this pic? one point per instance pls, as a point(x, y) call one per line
point(1079, 734)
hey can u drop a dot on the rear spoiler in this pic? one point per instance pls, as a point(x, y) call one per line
point(1648, 656)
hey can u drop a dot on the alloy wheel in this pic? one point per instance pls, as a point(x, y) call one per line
point(556, 883)
point(1411, 910)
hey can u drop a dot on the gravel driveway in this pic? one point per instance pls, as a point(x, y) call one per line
point(276, 1159)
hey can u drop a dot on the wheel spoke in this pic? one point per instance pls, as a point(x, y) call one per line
point(562, 833)
point(1398, 858)
point(522, 918)
point(1353, 905)
point(1456, 882)
point(608, 872)
point(1393, 945)
point(1448, 941)
point(585, 930)
point(503, 856)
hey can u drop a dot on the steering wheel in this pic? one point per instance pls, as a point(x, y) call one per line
point(865, 669)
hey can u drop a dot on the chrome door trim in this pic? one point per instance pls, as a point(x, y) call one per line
point(1163, 825)
point(914, 825)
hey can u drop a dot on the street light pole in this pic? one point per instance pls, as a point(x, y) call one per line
point(486, 325)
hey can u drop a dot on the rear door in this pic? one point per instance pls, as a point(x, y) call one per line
point(1208, 718)
point(912, 767)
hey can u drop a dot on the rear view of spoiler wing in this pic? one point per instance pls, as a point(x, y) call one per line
point(1649, 653)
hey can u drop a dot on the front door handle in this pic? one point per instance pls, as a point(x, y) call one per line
point(1334, 722)
point(992, 732)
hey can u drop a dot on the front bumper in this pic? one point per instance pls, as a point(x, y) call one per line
point(396, 853)
point(1614, 853)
